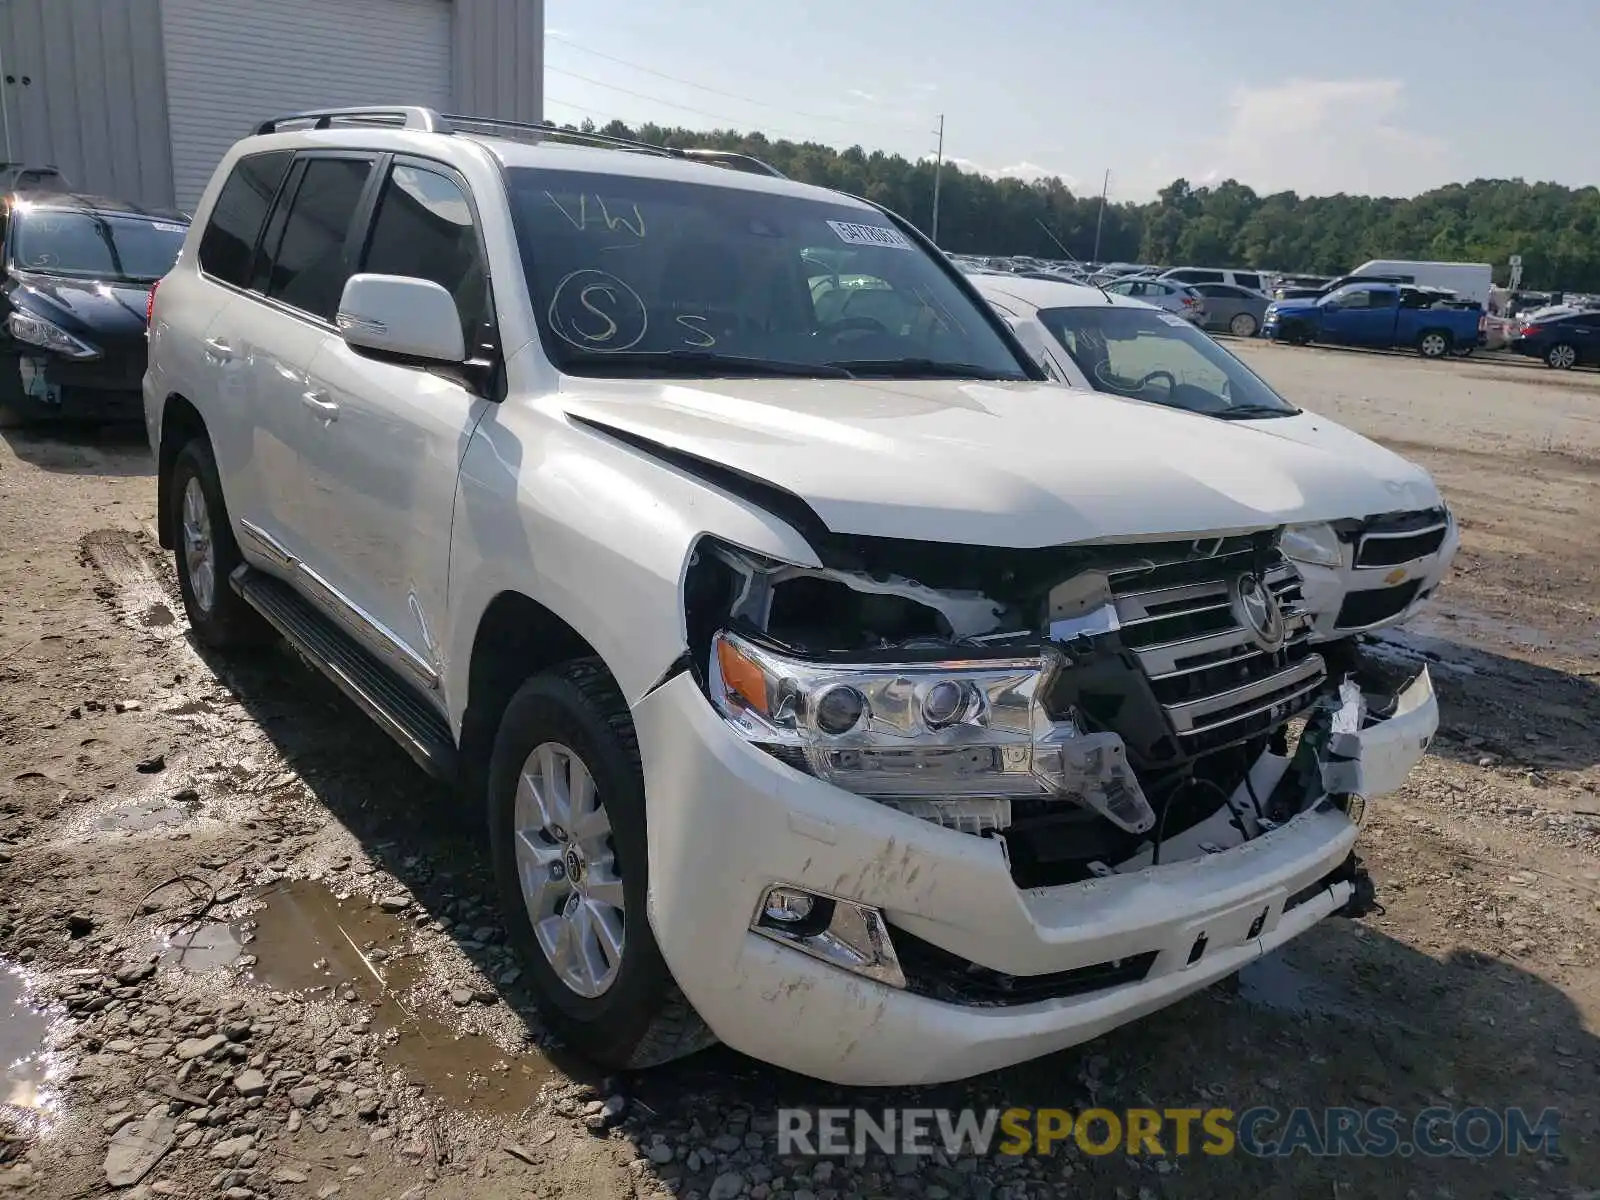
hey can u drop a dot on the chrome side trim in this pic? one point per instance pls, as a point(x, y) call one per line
point(266, 542)
point(360, 622)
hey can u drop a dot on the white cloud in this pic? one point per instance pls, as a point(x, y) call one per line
point(1321, 136)
point(1023, 170)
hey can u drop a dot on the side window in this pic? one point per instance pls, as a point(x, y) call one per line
point(1253, 282)
point(424, 229)
point(236, 218)
point(1382, 299)
point(308, 269)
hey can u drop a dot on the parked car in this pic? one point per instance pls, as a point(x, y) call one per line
point(1254, 281)
point(75, 276)
point(1176, 298)
point(819, 676)
point(1470, 281)
point(1370, 560)
point(1231, 309)
point(1563, 341)
point(1377, 315)
point(25, 177)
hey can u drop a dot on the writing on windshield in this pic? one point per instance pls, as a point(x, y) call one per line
point(90, 245)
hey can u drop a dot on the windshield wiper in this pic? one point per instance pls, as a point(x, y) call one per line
point(922, 368)
point(699, 362)
point(1247, 411)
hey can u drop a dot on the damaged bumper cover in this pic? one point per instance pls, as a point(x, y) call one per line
point(1060, 965)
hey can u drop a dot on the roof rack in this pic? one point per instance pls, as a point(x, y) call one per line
point(406, 116)
point(429, 121)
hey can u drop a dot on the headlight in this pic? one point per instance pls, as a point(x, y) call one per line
point(920, 731)
point(36, 331)
point(1316, 544)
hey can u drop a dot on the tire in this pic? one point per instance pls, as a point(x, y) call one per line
point(1433, 343)
point(1563, 356)
point(1243, 325)
point(1296, 335)
point(637, 1018)
point(217, 614)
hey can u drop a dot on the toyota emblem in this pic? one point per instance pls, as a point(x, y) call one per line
point(1256, 608)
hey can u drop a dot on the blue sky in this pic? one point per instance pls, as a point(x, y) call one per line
point(1381, 97)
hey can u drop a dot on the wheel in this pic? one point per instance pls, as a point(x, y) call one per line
point(1563, 356)
point(1243, 325)
point(567, 836)
point(1296, 335)
point(205, 554)
point(1433, 344)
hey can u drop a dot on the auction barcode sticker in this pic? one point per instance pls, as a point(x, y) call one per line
point(870, 235)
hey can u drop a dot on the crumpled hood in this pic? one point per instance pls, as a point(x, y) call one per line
point(999, 464)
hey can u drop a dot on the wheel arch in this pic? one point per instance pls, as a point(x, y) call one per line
point(181, 423)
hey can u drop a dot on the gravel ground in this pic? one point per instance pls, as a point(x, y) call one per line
point(248, 950)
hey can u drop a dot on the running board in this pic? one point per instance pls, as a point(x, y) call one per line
point(380, 693)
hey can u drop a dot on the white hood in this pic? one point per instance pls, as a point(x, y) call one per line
point(1000, 464)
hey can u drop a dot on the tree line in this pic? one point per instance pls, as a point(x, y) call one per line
point(1556, 229)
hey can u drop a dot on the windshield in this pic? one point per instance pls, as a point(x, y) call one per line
point(1151, 355)
point(88, 245)
point(631, 273)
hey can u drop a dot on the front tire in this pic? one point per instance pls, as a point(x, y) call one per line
point(1243, 325)
point(205, 554)
point(1433, 344)
point(567, 837)
point(1563, 356)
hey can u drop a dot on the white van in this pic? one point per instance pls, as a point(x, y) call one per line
point(1470, 281)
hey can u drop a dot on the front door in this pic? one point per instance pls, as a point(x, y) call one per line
point(381, 475)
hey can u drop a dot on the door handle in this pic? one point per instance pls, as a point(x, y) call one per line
point(319, 403)
point(218, 349)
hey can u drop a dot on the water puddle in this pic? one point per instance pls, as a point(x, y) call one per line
point(27, 1064)
point(1271, 982)
point(308, 941)
point(143, 815)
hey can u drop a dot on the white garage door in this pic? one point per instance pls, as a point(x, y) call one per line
point(234, 63)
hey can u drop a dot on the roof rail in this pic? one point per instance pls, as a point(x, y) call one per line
point(495, 126)
point(406, 116)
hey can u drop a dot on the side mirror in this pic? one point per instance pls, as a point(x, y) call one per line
point(396, 314)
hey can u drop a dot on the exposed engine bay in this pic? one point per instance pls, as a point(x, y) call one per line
point(1096, 709)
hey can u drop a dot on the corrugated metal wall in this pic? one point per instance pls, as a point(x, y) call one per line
point(499, 58)
point(83, 87)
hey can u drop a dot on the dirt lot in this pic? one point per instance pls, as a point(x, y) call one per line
point(246, 941)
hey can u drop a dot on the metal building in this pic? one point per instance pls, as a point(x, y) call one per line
point(139, 98)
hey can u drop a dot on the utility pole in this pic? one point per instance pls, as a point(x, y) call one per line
point(938, 171)
point(1099, 220)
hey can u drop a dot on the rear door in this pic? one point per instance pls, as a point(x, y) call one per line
point(1363, 316)
point(382, 464)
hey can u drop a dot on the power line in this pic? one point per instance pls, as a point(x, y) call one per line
point(734, 121)
point(785, 108)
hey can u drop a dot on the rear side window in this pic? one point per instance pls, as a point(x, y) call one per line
point(308, 268)
point(1191, 275)
point(236, 218)
point(1253, 282)
point(424, 229)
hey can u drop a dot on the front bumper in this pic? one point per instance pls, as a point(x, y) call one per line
point(1347, 600)
point(48, 386)
point(726, 821)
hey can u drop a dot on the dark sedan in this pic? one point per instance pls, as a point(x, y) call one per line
point(75, 277)
point(1563, 342)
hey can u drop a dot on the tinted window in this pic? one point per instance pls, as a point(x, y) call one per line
point(1158, 357)
point(89, 245)
point(237, 217)
point(308, 269)
point(424, 229)
point(1192, 275)
point(624, 266)
point(1253, 282)
point(1219, 290)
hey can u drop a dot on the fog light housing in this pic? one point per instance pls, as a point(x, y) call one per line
point(841, 933)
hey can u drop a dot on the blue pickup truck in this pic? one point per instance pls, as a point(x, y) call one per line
point(1378, 314)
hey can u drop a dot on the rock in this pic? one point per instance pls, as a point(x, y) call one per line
point(822, 1172)
point(239, 1193)
point(726, 1186)
point(192, 1048)
point(394, 904)
point(305, 1095)
point(285, 1175)
point(416, 1192)
point(660, 1154)
point(250, 1083)
point(80, 924)
point(726, 1143)
point(155, 764)
point(127, 706)
point(134, 973)
point(137, 1147)
point(461, 997)
point(327, 1191)
point(230, 1148)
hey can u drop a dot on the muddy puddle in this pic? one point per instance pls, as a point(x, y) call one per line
point(141, 816)
point(308, 940)
point(25, 1088)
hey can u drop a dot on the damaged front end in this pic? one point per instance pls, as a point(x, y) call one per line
point(1098, 710)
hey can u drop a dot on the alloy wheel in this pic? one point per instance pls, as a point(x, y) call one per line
point(199, 551)
point(567, 864)
point(1562, 357)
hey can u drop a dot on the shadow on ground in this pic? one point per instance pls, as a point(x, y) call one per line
point(81, 448)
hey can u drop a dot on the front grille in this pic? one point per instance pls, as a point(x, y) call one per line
point(1368, 608)
point(1389, 549)
point(1215, 684)
point(941, 975)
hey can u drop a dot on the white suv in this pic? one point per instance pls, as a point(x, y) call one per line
point(833, 684)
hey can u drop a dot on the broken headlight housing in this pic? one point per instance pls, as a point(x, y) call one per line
point(914, 733)
point(1314, 544)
